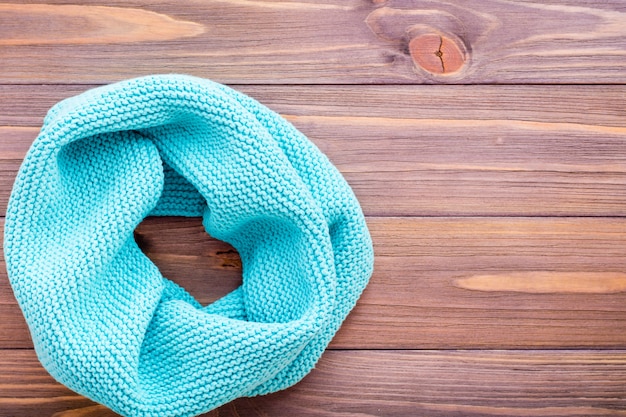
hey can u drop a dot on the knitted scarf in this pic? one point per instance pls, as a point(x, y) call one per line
point(103, 319)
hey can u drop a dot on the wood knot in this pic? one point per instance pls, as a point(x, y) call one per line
point(437, 54)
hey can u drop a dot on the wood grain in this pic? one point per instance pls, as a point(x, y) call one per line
point(335, 41)
point(88, 25)
point(432, 150)
point(551, 282)
point(585, 105)
point(384, 383)
point(544, 282)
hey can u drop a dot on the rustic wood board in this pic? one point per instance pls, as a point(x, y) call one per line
point(596, 107)
point(335, 41)
point(439, 283)
point(385, 383)
point(432, 150)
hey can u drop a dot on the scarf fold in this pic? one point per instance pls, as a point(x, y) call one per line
point(103, 319)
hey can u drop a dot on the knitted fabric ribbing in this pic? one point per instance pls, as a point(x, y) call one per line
point(103, 319)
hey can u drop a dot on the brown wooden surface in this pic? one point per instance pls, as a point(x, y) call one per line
point(486, 141)
point(388, 383)
point(432, 150)
point(438, 283)
point(305, 42)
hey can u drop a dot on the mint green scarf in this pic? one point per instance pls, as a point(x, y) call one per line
point(103, 319)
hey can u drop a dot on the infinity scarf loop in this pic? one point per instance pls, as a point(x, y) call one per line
point(103, 319)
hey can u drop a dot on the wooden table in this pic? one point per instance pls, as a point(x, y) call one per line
point(486, 141)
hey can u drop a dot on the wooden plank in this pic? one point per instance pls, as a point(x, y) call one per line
point(431, 150)
point(593, 105)
point(385, 383)
point(438, 282)
point(409, 383)
point(335, 41)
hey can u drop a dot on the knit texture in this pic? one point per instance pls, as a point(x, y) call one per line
point(103, 319)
